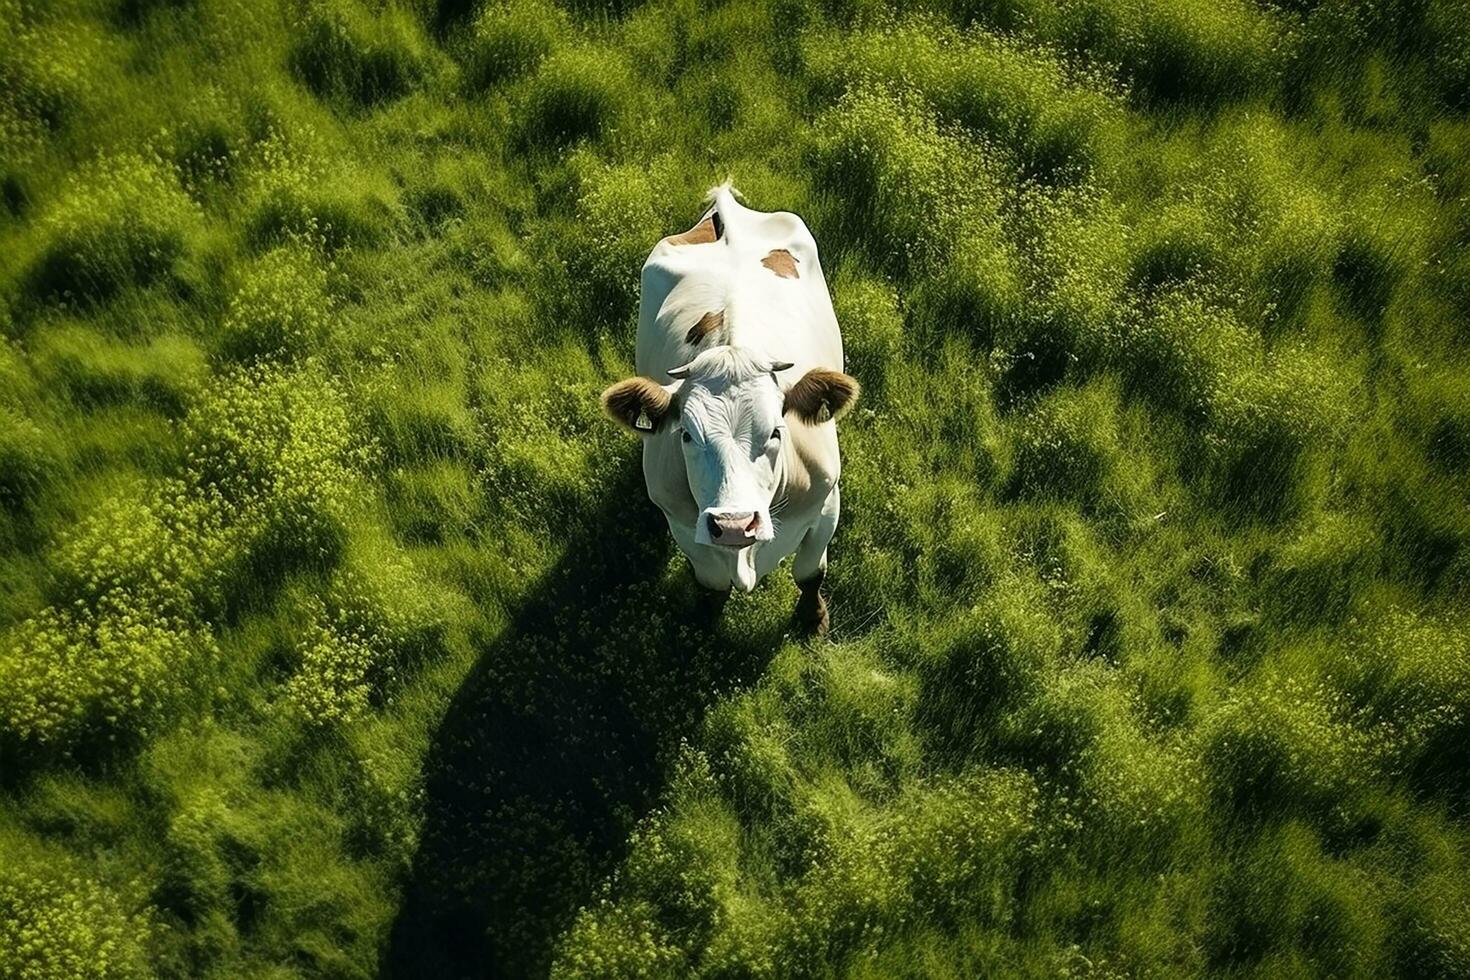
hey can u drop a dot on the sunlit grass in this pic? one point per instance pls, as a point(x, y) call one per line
point(337, 634)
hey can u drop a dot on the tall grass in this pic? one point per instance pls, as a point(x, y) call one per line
point(337, 635)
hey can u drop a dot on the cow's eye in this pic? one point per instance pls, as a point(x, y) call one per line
point(687, 436)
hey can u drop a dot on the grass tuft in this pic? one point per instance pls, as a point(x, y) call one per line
point(343, 51)
point(124, 222)
point(578, 93)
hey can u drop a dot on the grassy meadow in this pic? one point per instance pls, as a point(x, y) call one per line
point(339, 638)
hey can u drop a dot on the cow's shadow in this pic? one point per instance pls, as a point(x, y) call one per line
point(558, 742)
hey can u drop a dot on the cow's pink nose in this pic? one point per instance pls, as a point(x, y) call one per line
point(727, 528)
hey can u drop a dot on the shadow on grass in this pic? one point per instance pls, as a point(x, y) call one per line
point(557, 743)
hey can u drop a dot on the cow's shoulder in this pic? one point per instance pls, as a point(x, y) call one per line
point(814, 465)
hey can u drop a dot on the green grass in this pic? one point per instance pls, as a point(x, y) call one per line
point(337, 636)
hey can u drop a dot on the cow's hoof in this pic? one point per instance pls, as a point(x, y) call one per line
point(811, 612)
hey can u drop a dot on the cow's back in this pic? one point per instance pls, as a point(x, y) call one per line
point(758, 283)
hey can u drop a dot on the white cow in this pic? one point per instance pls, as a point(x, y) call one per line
point(739, 387)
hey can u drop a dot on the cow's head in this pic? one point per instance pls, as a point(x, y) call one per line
point(730, 410)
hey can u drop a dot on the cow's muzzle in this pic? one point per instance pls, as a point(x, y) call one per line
point(734, 529)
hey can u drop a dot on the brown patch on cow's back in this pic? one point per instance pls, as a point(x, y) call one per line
point(710, 323)
point(782, 263)
point(703, 233)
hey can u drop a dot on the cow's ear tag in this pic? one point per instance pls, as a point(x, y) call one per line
point(643, 422)
point(824, 414)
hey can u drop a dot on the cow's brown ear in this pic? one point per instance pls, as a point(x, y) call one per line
point(638, 404)
point(822, 395)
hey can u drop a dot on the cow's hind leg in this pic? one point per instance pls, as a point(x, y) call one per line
point(810, 568)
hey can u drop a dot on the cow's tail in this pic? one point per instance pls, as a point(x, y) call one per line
point(722, 198)
point(715, 193)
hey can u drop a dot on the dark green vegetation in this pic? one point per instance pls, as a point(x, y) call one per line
point(339, 637)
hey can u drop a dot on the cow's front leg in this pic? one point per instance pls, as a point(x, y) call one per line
point(712, 602)
point(714, 593)
point(810, 568)
point(711, 571)
point(811, 608)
